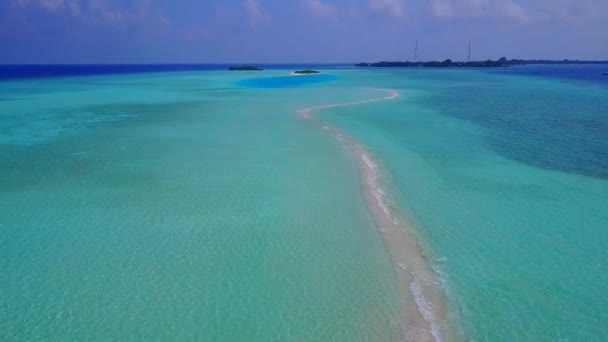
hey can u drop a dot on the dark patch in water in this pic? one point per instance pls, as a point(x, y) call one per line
point(285, 81)
point(13, 72)
point(562, 127)
point(27, 129)
point(587, 73)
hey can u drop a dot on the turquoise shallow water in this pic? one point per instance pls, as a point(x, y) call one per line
point(179, 207)
point(198, 205)
point(503, 176)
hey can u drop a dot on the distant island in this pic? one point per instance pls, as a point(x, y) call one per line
point(244, 68)
point(448, 63)
point(306, 72)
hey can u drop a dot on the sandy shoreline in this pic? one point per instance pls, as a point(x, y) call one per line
point(424, 321)
point(296, 74)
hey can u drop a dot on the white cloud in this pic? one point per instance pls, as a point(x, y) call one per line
point(394, 8)
point(320, 8)
point(20, 3)
point(102, 13)
point(140, 13)
point(73, 8)
point(254, 11)
point(516, 11)
point(51, 5)
point(570, 11)
point(477, 9)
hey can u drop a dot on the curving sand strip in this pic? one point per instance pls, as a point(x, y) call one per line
point(296, 74)
point(424, 321)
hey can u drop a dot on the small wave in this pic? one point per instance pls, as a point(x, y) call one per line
point(425, 309)
point(377, 191)
point(368, 161)
point(406, 254)
point(391, 94)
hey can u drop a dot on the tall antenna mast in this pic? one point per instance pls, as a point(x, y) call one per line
point(469, 57)
point(416, 52)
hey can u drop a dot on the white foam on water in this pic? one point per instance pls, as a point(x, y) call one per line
point(306, 112)
point(425, 308)
point(418, 271)
point(368, 161)
point(377, 192)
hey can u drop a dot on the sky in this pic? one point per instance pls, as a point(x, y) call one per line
point(319, 31)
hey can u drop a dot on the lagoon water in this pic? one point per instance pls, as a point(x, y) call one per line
point(199, 205)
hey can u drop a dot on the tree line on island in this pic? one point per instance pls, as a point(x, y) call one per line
point(248, 67)
point(448, 63)
point(245, 67)
point(306, 72)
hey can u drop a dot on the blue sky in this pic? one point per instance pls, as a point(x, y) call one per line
point(148, 31)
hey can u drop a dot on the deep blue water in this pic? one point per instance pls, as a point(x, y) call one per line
point(554, 125)
point(10, 72)
point(593, 73)
point(562, 127)
point(588, 72)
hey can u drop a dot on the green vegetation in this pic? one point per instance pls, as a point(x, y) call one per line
point(448, 63)
point(244, 68)
point(306, 72)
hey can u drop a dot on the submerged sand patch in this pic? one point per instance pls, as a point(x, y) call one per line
point(422, 314)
